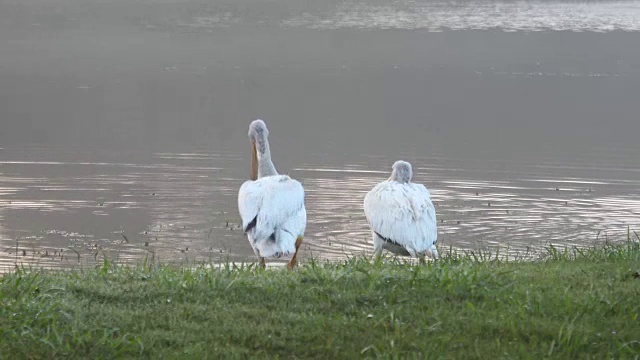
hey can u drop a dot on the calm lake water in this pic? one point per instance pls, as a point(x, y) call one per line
point(130, 118)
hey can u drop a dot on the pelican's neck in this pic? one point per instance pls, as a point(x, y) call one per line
point(264, 164)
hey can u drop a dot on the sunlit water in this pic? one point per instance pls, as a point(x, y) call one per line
point(577, 16)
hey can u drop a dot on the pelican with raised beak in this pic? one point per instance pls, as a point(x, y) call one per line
point(271, 205)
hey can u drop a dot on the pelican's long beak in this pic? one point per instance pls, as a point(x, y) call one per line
point(254, 161)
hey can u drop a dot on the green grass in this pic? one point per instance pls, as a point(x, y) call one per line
point(571, 304)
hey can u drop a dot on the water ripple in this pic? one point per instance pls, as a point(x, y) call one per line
point(182, 207)
point(478, 15)
point(436, 16)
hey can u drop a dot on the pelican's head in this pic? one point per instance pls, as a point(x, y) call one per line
point(258, 134)
point(402, 172)
point(258, 130)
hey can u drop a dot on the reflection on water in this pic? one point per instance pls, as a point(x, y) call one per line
point(595, 16)
point(183, 206)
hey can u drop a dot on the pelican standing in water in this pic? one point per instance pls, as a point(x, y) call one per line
point(271, 205)
point(401, 215)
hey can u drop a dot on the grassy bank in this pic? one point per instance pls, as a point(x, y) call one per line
point(572, 304)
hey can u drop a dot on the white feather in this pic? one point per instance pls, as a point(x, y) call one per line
point(404, 214)
point(277, 204)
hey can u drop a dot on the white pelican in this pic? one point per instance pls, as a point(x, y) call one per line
point(401, 215)
point(271, 205)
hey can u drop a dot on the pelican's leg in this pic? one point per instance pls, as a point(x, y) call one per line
point(433, 252)
point(261, 261)
point(417, 255)
point(422, 259)
point(292, 263)
point(377, 245)
point(377, 251)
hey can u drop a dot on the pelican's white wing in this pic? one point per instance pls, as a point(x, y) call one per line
point(404, 214)
point(273, 209)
